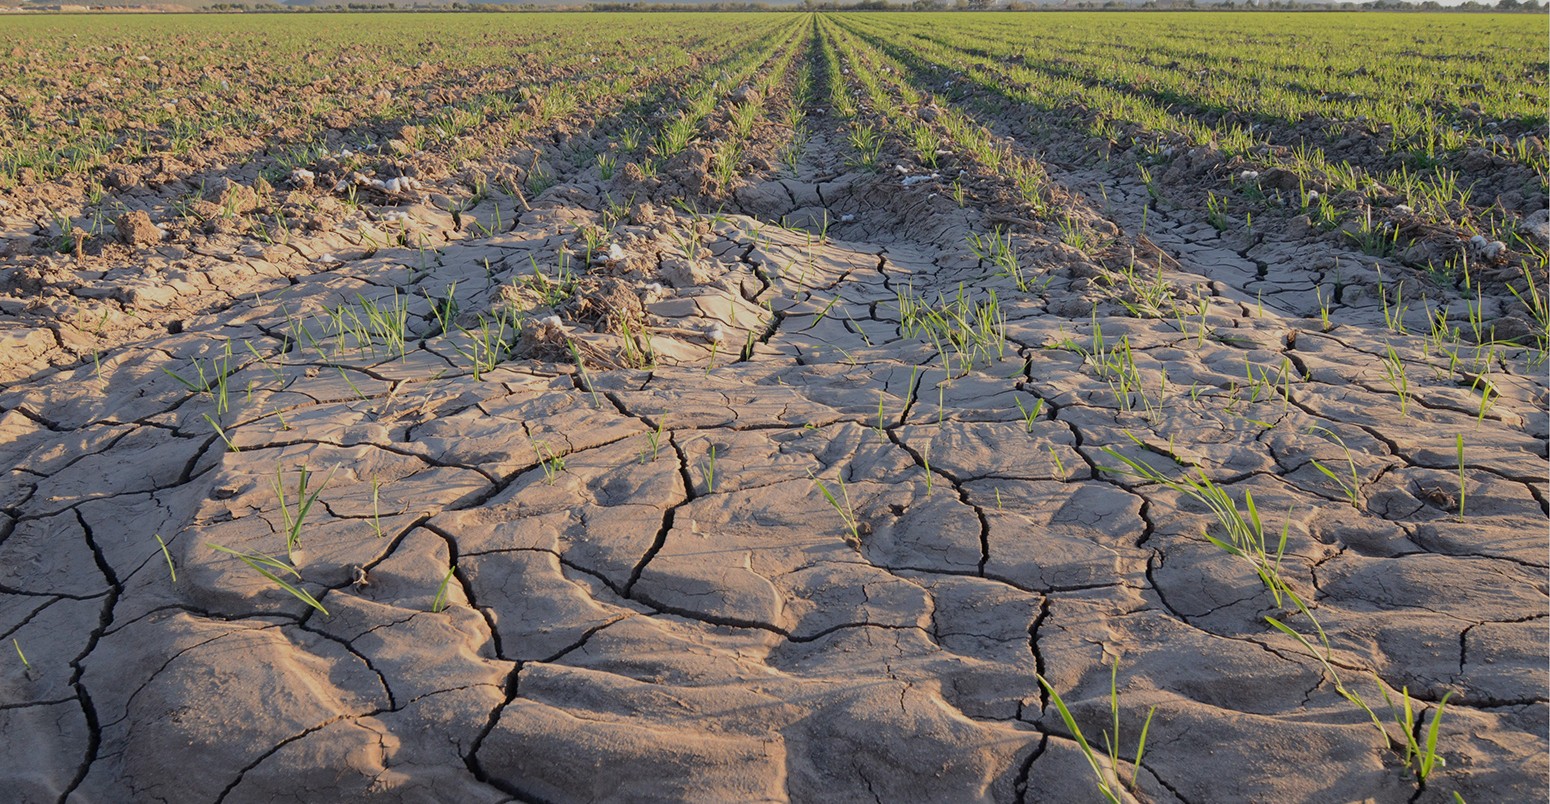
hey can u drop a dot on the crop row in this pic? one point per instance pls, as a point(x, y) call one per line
point(1007, 83)
point(1434, 86)
point(173, 86)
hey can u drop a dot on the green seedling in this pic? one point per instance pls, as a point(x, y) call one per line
point(270, 567)
point(279, 377)
point(552, 463)
point(842, 506)
point(439, 602)
point(638, 349)
point(376, 506)
point(1324, 325)
point(1152, 188)
point(171, 570)
point(388, 323)
point(1394, 374)
point(959, 327)
point(1537, 303)
point(996, 249)
point(221, 432)
point(1029, 416)
point(1420, 755)
point(305, 498)
point(1351, 489)
point(1060, 466)
point(868, 143)
point(1074, 233)
point(708, 468)
point(211, 378)
point(823, 313)
point(18, 646)
point(1394, 312)
point(586, 378)
point(1244, 529)
point(491, 342)
point(654, 441)
point(1110, 783)
point(1247, 540)
point(1376, 240)
point(1216, 211)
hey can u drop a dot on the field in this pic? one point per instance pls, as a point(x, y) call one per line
point(728, 407)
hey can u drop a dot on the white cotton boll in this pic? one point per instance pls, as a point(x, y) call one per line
point(1489, 249)
point(345, 153)
point(1313, 195)
point(653, 289)
point(328, 259)
point(714, 334)
point(847, 218)
point(551, 325)
point(903, 171)
point(615, 253)
point(1404, 208)
point(1249, 175)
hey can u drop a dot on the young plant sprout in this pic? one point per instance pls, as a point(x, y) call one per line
point(272, 568)
point(1111, 785)
point(841, 504)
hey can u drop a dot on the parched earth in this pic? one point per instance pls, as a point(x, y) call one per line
point(729, 528)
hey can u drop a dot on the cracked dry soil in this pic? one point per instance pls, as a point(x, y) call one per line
point(544, 583)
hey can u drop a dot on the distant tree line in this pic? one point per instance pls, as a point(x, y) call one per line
point(1525, 6)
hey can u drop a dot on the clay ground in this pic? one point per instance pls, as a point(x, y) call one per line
point(735, 526)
